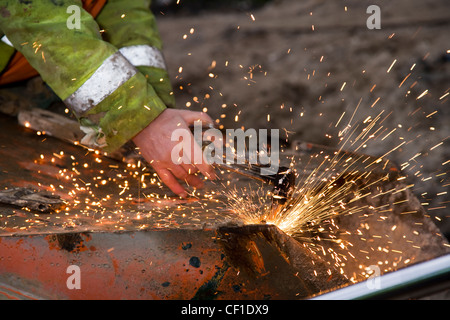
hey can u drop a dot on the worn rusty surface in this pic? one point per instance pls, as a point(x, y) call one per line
point(101, 194)
point(252, 262)
point(142, 242)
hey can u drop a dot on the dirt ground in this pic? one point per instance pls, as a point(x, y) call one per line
point(298, 66)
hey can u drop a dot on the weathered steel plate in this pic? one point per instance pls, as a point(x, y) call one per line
point(252, 262)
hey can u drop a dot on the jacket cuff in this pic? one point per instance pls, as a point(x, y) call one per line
point(124, 114)
point(149, 61)
point(114, 104)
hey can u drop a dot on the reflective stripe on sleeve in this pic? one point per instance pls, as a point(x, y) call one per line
point(144, 55)
point(6, 40)
point(113, 72)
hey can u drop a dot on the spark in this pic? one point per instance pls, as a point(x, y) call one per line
point(388, 134)
point(422, 94)
point(431, 114)
point(443, 96)
point(378, 99)
point(392, 64)
point(323, 194)
point(337, 123)
point(440, 143)
point(403, 81)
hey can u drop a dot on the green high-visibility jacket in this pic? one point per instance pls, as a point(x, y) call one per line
point(79, 58)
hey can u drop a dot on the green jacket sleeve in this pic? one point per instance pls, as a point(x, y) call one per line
point(128, 23)
point(66, 58)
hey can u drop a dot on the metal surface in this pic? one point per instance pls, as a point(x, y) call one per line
point(252, 262)
point(142, 242)
point(416, 281)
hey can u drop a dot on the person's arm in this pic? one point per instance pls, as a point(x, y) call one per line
point(131, 27)
point(111, 98)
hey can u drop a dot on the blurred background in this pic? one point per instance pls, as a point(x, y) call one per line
point(305, 67)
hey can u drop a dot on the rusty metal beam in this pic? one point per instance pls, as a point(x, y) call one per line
point(251, 262)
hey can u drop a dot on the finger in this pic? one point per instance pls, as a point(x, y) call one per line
point(190, 169)
point(171, 182)
point(207, 170)
point(196, 158)
point(203, 166)
point(195, 181)
point(178, 172)
point(182, 174)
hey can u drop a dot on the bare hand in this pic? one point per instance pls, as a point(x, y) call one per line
point(156, 147)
